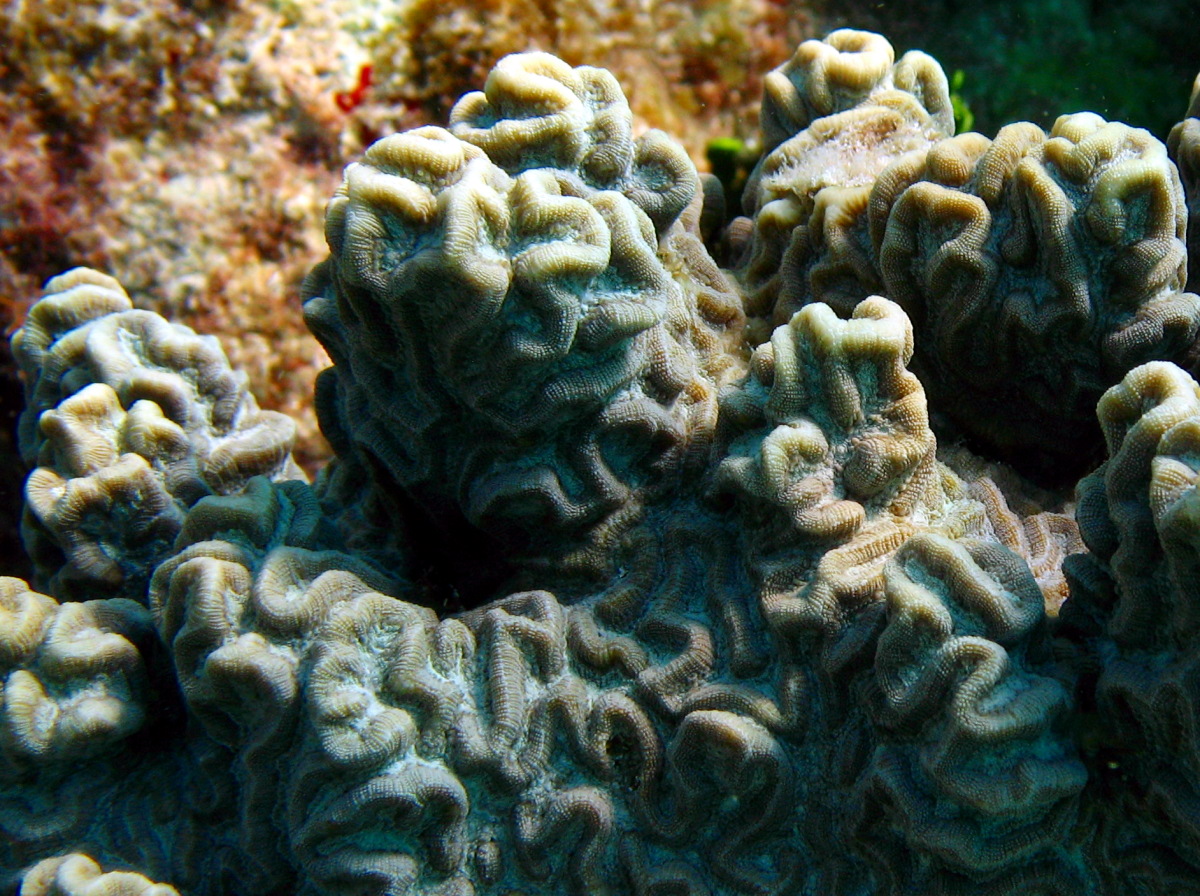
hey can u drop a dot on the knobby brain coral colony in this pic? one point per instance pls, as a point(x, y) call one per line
point(634, 575)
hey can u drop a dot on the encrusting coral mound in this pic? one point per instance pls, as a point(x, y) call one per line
point(633, 575)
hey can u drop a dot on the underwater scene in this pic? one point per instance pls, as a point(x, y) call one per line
point(599, 448)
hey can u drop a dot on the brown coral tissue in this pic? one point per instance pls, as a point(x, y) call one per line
point(633, 574)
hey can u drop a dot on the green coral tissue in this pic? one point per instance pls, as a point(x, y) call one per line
point(633, 574)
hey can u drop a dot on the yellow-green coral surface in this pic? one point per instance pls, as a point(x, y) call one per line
point(634, 575)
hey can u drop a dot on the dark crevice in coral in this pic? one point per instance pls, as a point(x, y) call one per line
point(12, 471)
point(458, 567)
point(454, 566)
point(1056, 469)
point(166, 712)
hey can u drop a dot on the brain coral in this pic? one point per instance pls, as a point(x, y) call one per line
point(1003, 252)
point(633, 575)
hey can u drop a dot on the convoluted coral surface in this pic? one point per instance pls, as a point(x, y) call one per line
point(633, 575)
point(190, 145)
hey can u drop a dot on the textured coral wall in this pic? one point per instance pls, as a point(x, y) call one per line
point(866, 564)
point(192, 146)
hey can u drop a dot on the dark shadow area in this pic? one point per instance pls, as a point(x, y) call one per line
point(13, 561)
